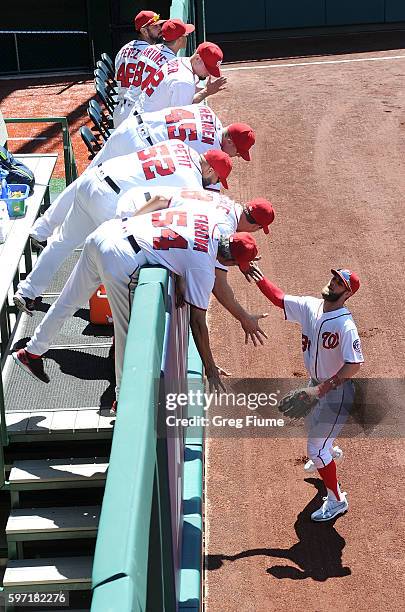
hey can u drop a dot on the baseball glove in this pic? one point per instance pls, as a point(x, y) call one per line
point(297, 404)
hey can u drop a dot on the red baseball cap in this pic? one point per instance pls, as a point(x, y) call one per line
point(221, 163)
point(243, 137)
point(261, 211)
point(145, 18)
point(211, 56)
point(350, 279)
point(173, 29)
point(243, 249)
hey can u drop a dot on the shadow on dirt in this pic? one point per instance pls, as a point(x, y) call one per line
point(316, 555)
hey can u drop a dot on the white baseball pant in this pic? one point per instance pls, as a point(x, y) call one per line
point(326, 420)
point(118, 144)
point(94, 202)
point(109, 259)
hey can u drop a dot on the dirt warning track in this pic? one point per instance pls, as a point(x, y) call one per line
point(330, 156)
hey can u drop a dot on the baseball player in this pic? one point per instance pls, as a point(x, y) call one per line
point(231, 217)
point(148, 26)
point(332, 356)
point(97, 199)
point(186, 241)
point(174, 34)
point(175, 84)
point(196, 125)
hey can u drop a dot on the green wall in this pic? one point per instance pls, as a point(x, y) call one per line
point(227, 16)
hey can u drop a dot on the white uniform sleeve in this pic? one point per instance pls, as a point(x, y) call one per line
point(351, 346)
point(199, 284)
point(181, 94)
point(295, 308)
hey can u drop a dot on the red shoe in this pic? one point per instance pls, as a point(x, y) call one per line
point(113, 409)
point(34, 367)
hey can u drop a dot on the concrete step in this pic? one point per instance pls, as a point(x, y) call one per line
point(49, 424)
point(57, 473)
point(66, 571)
point(50, 523)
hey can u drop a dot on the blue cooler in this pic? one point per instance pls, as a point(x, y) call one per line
point(16, 204)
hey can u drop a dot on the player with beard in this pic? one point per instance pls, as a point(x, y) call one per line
point(148, 27)
point(332, 356)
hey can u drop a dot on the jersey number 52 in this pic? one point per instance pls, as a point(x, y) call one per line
point(156, 160)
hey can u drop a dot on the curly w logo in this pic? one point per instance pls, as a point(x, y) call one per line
point(330, 340)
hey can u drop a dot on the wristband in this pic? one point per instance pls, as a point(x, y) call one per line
point(328, 385)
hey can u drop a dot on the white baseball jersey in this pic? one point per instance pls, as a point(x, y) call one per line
point(196, 125)
point(329, 339)
point(126, 62)
point(171, 163)
point(227, 211)
point(172, 85)
point(152, 59)
point(184, 240)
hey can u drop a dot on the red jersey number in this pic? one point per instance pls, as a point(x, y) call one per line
point(125, 73)
point(153, 82)
point(169, 239)
point(187, 130)
point(156, 160)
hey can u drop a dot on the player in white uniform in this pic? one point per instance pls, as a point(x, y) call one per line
point(148, 26)
point(332, 356)
point(186, 241)
point(196, 125)
point(176, 83)
point(97, 199)
point(174, 34)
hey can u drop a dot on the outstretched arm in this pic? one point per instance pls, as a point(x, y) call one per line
point(269, 289)
point(225, 296)
point(199, 329)
point(158, 202)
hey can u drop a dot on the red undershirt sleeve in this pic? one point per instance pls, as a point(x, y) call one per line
point(272, 292)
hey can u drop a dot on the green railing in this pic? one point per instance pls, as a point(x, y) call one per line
point(68, 155)
point(133, 566)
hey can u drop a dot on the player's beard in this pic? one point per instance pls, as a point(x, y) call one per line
point(157, 39)
point(329, 295)
point(206, 181)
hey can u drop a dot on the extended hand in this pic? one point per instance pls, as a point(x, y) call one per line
point(254, 273)
point(214, 382)
point(212, 87)
point(250, 325)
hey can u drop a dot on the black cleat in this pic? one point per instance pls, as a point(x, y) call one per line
point(34, 367)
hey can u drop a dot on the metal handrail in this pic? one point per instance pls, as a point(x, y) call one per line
point(68, 155)
point(71, 175)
